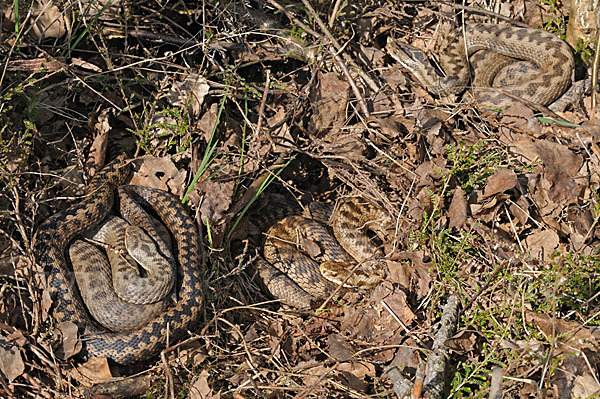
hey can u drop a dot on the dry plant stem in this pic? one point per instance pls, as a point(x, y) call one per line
point(163, 358)
point(550, 355)
point(402, 385)
point(261, 112)
point(540, 108)
point(355, 89)
point(488, 13)
point(436, 364)
point(334, 12)
point(339, 47)
point(417, 391)
point(496, 384)
point(370, 82)
point(595, 65)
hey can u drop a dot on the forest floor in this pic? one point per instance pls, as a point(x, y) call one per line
point(213, 100)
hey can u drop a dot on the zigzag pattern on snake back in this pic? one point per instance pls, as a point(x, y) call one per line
point(307, 256)
point(56, 233)
point(542, 75)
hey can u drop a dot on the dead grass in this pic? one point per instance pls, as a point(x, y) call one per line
point(500, 211)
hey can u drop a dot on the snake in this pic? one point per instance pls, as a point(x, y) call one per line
point(307, 257)
point(56, 233)
point(528, 63)
point(111, 286)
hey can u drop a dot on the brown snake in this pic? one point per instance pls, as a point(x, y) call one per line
point(114, 291)
point(541, 76)
point(303, 261)
point(57, 232)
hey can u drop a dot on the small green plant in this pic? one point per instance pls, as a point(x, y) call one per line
point(570, 283)
point(471, 165)
point(211, 146)
point(555, 23)
point(171, 128)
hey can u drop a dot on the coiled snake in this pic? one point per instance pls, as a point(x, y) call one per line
point(56, 233)
point(542, 75)
point(303, 261)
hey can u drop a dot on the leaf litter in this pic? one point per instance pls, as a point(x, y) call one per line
point(497, 210)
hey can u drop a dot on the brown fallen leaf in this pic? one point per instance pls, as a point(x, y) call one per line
point(48, 20)
point(561, 168)
point(200, 388)
point(569, 334)
point(71, 345)
point(94, 371)
point(465, 341)
point(339, 348)
point(541, 243)
point(207, 121)
point(421, 275)
point(97, 153)
point(458, 209)
point(189, 93)
point(11, 362)
point(329, 101)
point(400, 273)
point(501, 181)
point(213, 199)
point(585, 386)
point(407, 355)
point(159, 173)
point(354, 374)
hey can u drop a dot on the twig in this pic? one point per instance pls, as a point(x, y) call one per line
point(496, 384)
point(595, 65)
point(261, 112)
point(401, 384)
point(334, 12)
point(436, 365)
point(417, 391)
point(163, 358)
point(485, 286)
point(339, 47)
point(372, 85)
point(485, 12)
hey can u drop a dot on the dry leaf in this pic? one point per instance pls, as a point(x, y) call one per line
point(207, 122)
point(94, 371)
point(189, 93)
point(200, 388)
point(541, 243)
point(585, 386)
point(49, 21)
point(97, 153)
point(339, 348)
point(501, 181)
point(70, 343)
point(159, 173)
point(11, 362)
point(420, 270)
point(458, 209)
point(465, 341)
point(570, 334)
point(353, 374)
point(329, 101)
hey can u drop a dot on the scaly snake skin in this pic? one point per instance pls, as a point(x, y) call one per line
point(542, 75)
point(304, 262)
point(128, 248)
point(113, 290)
point(55, 234)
